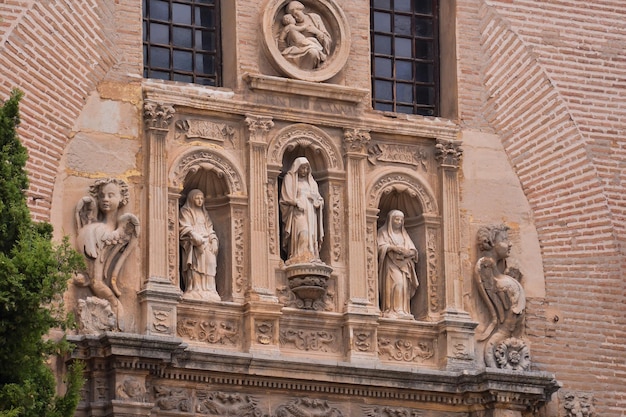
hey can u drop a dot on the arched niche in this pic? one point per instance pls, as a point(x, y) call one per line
point(225, 200)
point(408, 192)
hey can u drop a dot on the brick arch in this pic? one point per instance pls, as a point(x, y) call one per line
point(549, 147)
point(56, 56)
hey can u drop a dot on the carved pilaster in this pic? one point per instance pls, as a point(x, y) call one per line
point(355, 147)
point(448, 154)
point(160, 294)
point(262, 283)
point(457, 340)
point(261, 319)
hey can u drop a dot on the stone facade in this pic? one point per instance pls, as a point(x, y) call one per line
point(533, 112)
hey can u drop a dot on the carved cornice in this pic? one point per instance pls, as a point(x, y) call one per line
point(158, 115)
point(259, 123)
point(356, 141)
point(448, 153)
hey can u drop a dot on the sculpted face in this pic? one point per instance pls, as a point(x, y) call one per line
point(502, 247)
point(198, 200)
point(299, 15)
point(109, 197)
point(397, 221)
point(304, 170)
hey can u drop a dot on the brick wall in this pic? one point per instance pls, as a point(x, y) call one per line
point(552, 78)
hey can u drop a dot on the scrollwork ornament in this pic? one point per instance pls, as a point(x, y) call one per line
point(448, 153)
point(158, 115)
point(355, 140)
point(259, 123)
point(307, 407)
point(404, 350)
point(220, 403)
point(512, 353)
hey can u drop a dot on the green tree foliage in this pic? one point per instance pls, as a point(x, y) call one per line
point(33, 276)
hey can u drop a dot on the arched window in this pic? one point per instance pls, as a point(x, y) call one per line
point(181, 41)
point(405, 56)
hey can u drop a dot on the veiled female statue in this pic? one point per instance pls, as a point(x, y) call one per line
point(105, 238)
point(301, 207)
point(397, 257)
point(199, 245)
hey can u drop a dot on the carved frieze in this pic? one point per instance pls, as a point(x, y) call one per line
point(403, 350)
point(271, 216)
point(239, 243)
point(402, 154)
point(309, 340)
point(192, 129)
point(219, 404)
point(307, 407)
point(172, 399)
point(372, 273)
point(215, 331)
point(264, 331)
point(172, 240)
point(363, 341)
point(336, 207)
point(387, 411)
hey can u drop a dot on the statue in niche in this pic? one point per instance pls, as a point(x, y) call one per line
point(105, 238)
point(199, 245)
point(303, 39)
point(301, 207)
point(397, 257)
point(502, 292)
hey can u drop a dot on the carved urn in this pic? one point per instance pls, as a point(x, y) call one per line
point(308, 281)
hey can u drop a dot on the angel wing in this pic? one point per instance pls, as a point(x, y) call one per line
point(126, 238)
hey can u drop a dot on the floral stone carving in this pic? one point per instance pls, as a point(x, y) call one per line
point(105, 238)
point(307, 40)
point(307, 407)
point(502, 292)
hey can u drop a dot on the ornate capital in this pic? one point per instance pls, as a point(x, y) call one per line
point(448, 153)
point(259, 123)
point(158, 115)
point(355, 140)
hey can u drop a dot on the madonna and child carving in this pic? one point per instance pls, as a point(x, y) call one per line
point(199, 245)
point(105, 238)
point(303, 39)
point(397, 257)
point(500, 289)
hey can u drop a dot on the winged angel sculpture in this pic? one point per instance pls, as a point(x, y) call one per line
point(105, 238)
point(502, 292)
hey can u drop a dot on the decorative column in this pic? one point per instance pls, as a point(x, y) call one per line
point(262, 311)
point(160, 294)
point(360, 326)
point(457, 335)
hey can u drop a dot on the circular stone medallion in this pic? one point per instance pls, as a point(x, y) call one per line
point(307, 39)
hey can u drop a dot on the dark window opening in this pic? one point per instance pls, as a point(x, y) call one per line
point(181, 41)
point(405, 56)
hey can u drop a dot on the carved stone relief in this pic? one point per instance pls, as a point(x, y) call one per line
point(576, 404)
point(162, 322)
point(95, 316)
point(158, 115)
point(271, 216)
point(209, 161)
point(431, 266)
point(172, 399)
point(105, 238)
point(502, 293)
point(372, 274)
point(310, 340)
point(308, 40)
point(405, 182)
point(212, 331)
point(239, 243)
point(131, 389)
point(305, 136)
point(307, 407)
point(192, 129)
point(218, 404)
point(386, 411)
point(264, 331)
point(402, 154)
point(172, 239)
point(363, 341)
point(404, 350)
point(336, 207)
